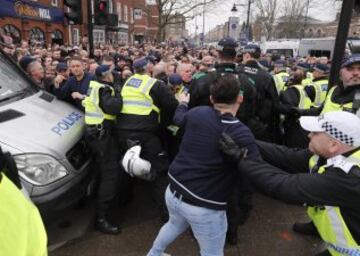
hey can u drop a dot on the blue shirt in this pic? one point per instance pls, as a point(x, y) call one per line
point(200, 172)
point(73, 85)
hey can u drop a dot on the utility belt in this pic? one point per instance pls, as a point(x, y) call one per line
point(97, 131)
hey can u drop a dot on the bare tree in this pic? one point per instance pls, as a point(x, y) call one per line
point(268, 10)
point(186, 8)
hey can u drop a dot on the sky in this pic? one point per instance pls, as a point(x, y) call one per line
point(323, 10)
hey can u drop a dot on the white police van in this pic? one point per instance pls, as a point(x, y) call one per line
point(45, 137)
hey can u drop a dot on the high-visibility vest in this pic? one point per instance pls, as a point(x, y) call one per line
point(308, 80)
point(304, 100)
point(93, 113)
point(329, 221)
point(280, 81)
point(22, 230)
point(136, 96)
point(320, 88)
point(330, 106)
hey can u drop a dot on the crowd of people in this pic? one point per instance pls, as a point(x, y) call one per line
point(202, 125)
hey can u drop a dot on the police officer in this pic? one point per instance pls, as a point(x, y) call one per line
point(22, 230)
point(346, 95)
point(266, 125)
point(318, 88)
point(147, 103)
point(296, 96)
point(280, 75)
point(305, 67)
point(100, 123)
point(331, 188)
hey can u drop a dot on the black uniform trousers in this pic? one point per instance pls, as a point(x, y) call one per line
point(152, 151)
point(105, 151)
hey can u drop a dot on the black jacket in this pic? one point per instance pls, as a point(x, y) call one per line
point(199, 171)
point(266, 124)
point(285, 176)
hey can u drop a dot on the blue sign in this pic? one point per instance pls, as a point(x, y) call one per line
point(29, 10)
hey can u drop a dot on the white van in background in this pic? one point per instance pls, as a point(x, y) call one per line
point(317, 47)
point(288, 48)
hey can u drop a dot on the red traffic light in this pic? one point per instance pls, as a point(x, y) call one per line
point(102, 6)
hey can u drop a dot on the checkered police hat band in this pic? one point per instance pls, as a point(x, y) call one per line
point(339, 135)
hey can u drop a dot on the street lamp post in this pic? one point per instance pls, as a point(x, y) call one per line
point(234, 9)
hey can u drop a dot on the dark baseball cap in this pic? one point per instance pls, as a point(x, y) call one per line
point(322, 68)
point(175, 79)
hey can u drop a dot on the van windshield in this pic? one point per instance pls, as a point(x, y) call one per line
point(285, 52)
point(12, 81)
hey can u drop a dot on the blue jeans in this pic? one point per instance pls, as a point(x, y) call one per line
point(209, 227)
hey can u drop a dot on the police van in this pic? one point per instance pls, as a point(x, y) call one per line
point(288, 48)
point(45, 137)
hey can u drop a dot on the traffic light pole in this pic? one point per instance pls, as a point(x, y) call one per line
point(90, 29)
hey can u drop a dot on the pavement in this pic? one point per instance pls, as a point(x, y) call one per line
point(267, 232)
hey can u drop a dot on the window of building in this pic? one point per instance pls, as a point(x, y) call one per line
point(118, 7)
point(13, 32)
point(125, 13)
point(99, 36)
point(37, 34)
point(319, 33)
point(57, 37)
point(76, 36)
point(54, 2)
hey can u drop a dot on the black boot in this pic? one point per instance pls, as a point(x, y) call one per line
point(104, 226)
point(306, 229)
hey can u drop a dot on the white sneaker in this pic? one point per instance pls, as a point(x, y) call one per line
point(165, 254)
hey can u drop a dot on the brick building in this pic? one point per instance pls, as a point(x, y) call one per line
point(43, 20)
point(175, 30)
point(40, 20)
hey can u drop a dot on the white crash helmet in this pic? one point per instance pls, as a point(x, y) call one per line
point(134, 165)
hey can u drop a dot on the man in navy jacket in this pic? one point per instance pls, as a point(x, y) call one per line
point(201, 179)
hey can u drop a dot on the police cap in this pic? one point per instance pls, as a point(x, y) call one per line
point(322, 68)
point(251, 48)
point(140, 63)
point(227, 43)
point(304, 66)
point(349, 60)
point(25, 61)
point(175, 79)
point(279, 64)
point(102, 70)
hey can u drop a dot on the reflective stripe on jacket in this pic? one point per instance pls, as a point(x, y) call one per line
point(93, 113)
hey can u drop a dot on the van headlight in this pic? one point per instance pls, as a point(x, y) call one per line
point(39, 169)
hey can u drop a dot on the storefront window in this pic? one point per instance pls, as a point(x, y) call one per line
point(57, 37)
point(37, 34)
point(13, 32)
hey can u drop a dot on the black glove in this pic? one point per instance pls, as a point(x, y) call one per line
point(231, 149)
point(294, 112)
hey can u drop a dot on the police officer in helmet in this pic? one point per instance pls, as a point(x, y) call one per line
point(101, 105)
point(148, 104)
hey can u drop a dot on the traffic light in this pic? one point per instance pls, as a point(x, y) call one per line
point(100, 12)
point(74, 16)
